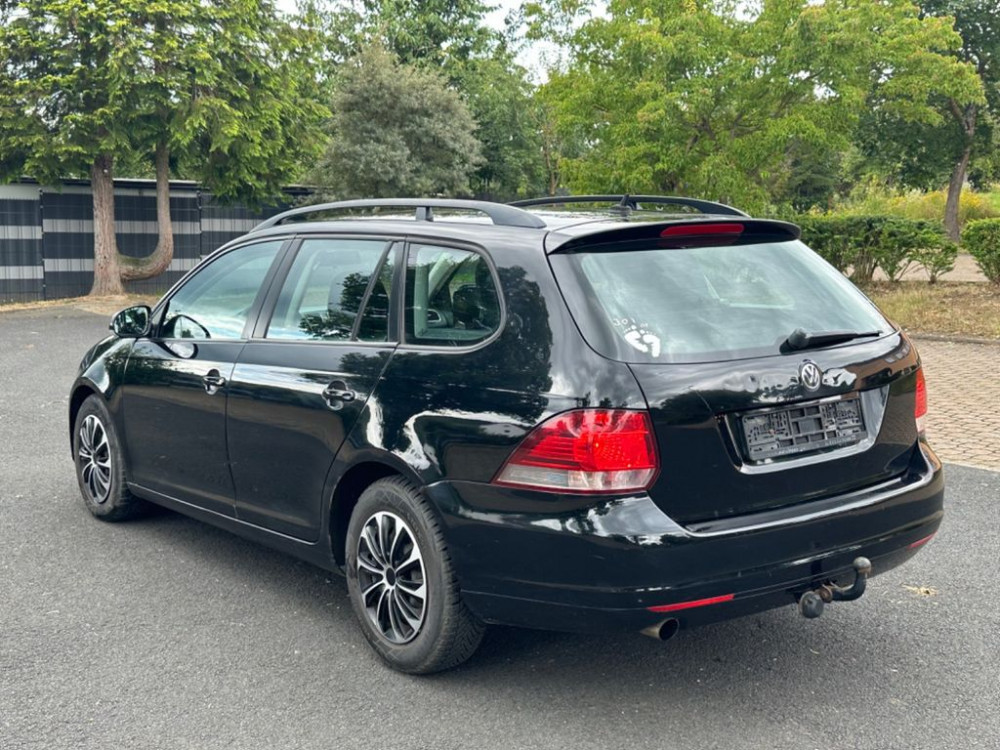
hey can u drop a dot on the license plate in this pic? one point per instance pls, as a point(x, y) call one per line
point(803, 428)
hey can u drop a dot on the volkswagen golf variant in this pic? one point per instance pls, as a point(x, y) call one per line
point(597, 414)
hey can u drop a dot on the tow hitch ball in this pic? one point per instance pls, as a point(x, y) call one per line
point(812, 602)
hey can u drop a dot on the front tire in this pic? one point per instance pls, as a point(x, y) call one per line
point(401, 582)
point(100, 467)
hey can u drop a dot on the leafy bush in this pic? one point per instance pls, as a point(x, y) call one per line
point(982, 239)
point(864, 243)
point(901, 241)
point(937, 260)
point(930, 206)
point(874, 200)
point(831, 237)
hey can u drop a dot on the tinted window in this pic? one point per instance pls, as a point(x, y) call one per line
point(325, 288)
point(215, 302)
point(451, 297)
point(374, 324)
point(710, 303)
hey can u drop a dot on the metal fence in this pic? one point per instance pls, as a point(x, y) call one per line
point(47, 234)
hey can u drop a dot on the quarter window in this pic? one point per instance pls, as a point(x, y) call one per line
point(451, 297)
point(216, 301)
point(325, 289)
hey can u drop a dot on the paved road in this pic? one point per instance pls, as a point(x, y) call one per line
point(165, 633)
point(963, 389)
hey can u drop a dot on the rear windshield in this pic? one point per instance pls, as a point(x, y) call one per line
point(709, 303)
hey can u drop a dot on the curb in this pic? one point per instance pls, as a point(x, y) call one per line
point(953, 339)
point(966, 465)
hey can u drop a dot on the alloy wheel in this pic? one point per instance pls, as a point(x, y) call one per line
point(94, 456)
point(391, 577)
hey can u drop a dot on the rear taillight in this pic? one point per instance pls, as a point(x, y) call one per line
point(585, 451)
point(920, 406)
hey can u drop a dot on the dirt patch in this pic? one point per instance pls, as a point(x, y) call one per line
point(97, 305)
point(947, 308)
point(921, 590)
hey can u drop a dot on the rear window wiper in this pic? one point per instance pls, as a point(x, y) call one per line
point(802, 339)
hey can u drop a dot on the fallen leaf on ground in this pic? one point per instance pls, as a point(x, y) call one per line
point(921, 590)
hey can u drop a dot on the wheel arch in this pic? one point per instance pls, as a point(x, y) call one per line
point(349, 487)
point(82, 390)
point(360, 475)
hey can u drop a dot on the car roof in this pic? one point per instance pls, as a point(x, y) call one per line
point(485, 222)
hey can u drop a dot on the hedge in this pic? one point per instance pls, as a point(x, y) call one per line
point(982, 239)
point(864, 243)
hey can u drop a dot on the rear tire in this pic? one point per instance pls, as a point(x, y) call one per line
point(100, 465)
point(402, 585)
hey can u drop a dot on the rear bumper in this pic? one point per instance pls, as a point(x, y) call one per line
point(600, 567)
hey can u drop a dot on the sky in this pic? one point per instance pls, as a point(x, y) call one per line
point(532, 57)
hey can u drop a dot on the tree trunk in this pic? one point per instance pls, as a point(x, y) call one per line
point(551, 172)
point(967, 119)
point(951, 224)
point(159, 261)
point(107, 277)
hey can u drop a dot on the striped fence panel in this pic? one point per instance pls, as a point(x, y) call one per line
point(47, 235)
point(21, 271)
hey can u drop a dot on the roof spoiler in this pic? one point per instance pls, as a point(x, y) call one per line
point(625, 204)
point(701, 232)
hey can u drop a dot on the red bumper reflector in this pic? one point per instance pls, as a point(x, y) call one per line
point(690, 605)
point(920, 542)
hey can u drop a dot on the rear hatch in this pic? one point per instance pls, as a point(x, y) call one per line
point(771, 380)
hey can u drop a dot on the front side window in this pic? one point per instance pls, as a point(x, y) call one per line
point(451, 297)
point(216, 301)
point(325, 289)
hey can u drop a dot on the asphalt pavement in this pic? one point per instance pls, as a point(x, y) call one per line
point(167, 633)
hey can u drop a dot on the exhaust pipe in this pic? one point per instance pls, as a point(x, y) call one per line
point(663, 631)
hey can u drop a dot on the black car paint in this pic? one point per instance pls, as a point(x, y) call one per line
point(447, 419)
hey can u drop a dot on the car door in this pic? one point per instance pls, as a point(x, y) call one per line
point(176, 380)
point(305, 377)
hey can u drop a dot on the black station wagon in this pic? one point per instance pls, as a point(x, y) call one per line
point(647, 415)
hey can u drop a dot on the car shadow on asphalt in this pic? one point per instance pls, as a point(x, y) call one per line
point(776, 650)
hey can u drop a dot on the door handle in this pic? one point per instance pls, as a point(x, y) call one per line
point(213, 382)
point(337, 394)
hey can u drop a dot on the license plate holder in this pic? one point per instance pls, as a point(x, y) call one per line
point(802, 428)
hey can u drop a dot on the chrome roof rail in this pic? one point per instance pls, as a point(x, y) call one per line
point(500, 213)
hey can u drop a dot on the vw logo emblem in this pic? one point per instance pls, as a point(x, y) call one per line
point(810, 375)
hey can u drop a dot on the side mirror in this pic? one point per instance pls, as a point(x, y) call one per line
point(132, 322)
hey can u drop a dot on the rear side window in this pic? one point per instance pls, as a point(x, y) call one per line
point(451, 297)
point(709, 303)
point(325, 288)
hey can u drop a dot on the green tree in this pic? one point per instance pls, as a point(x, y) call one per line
point(978, 23)
point(218, 90)
point(396, 130)
point(905, 154)
point(446, 33)
point(500, 99)
point(452, 38)
point(705, 98)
